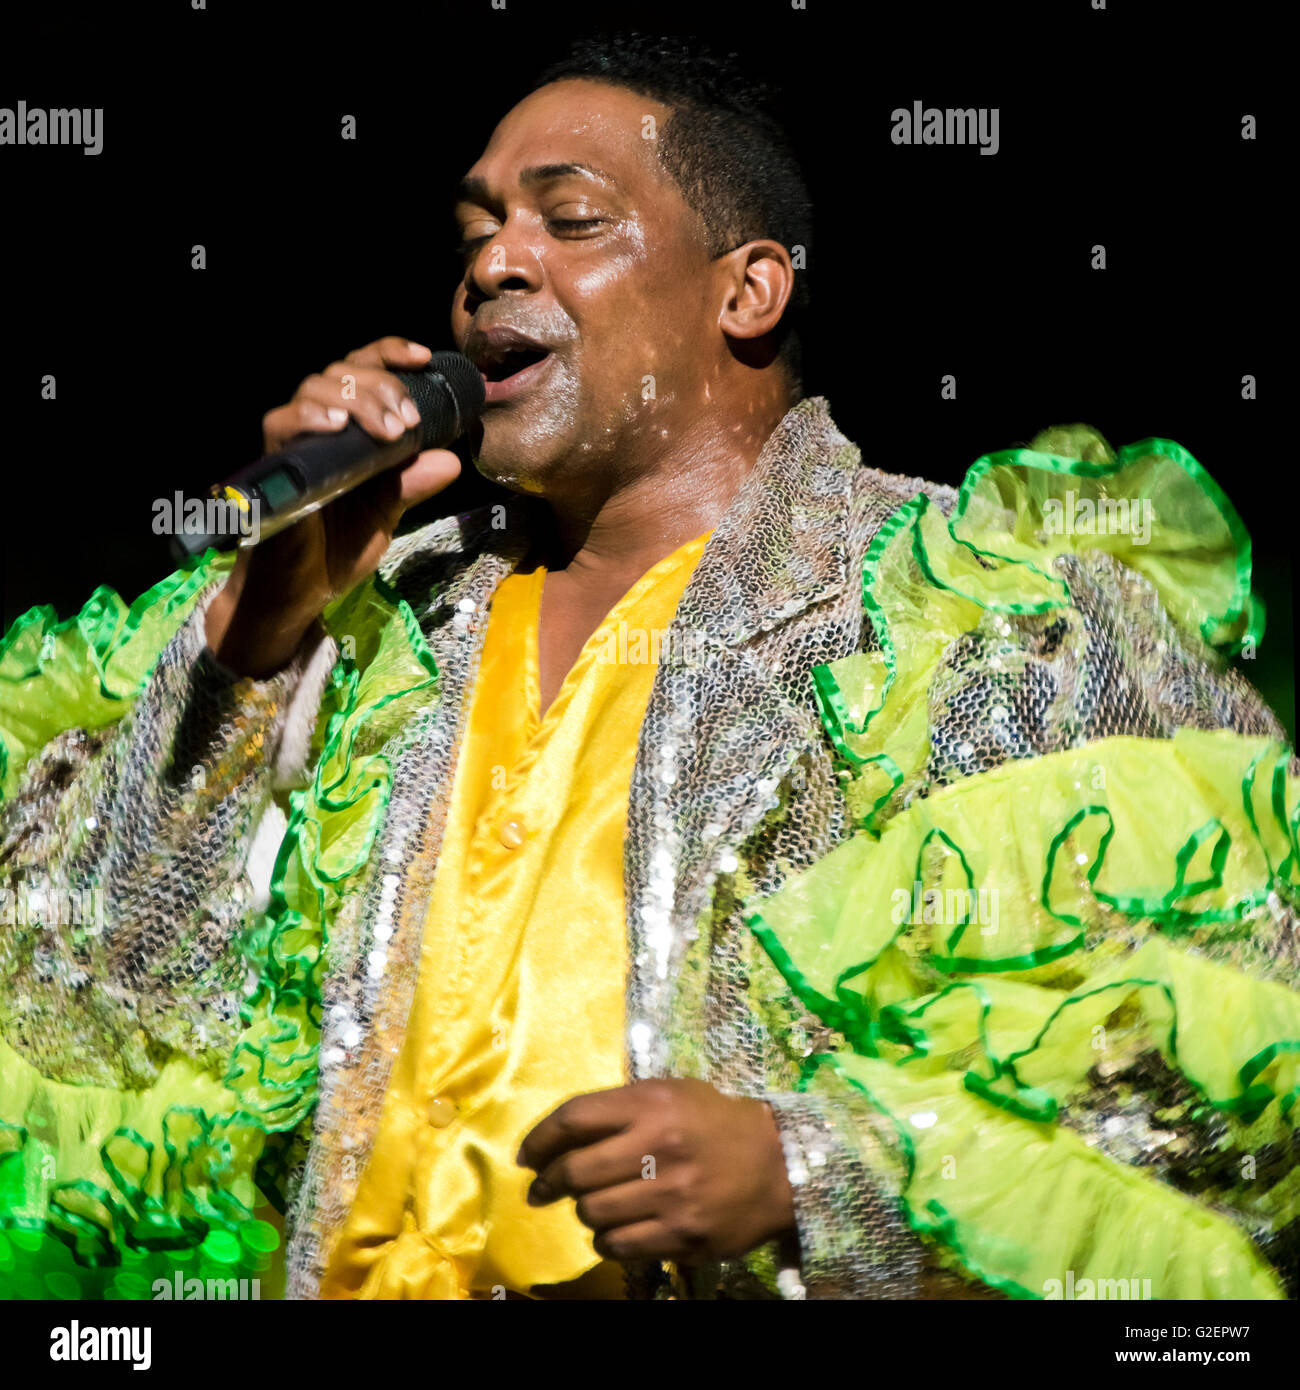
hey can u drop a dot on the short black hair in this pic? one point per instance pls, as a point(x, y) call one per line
point(723, 146)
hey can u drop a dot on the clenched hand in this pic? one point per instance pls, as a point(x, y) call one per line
point(666, 1169)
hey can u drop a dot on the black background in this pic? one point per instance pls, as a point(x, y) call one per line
point(221, 128)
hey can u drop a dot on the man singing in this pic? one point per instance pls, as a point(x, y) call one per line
point(726, 871)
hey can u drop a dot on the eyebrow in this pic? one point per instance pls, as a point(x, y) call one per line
point(475, 190)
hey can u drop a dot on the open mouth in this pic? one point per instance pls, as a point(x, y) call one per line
point(510, 362)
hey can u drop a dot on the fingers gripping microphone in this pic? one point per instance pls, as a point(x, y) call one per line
point(282, 488)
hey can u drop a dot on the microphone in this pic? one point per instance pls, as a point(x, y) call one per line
point(282, 488)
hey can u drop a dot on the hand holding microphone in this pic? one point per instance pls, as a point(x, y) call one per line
point(279, 587)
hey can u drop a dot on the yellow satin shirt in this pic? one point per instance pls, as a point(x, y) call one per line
point(520, 998)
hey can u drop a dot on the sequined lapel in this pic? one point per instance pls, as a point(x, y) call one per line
point(722, 731)
point(782, 544)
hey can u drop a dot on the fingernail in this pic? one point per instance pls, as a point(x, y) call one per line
point(393, 425)
point(539, 1194)
point(336, 416)
point(409, 413)
point(416, 347)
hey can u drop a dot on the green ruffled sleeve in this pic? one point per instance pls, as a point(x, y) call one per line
point(84, 672)
point(148, 1130)
point(1066, 980)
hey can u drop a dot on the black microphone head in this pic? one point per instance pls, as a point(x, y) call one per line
point(449, 394)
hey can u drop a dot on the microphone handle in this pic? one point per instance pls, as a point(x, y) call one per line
point(300, 479)
point(277, 491)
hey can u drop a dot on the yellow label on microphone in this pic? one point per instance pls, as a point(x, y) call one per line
point(232, 494)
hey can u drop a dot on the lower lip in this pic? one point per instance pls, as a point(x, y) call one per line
point(516, 385)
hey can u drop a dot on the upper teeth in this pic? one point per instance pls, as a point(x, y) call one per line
point(495, 356)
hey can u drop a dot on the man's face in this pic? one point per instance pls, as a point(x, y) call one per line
point(587, 297)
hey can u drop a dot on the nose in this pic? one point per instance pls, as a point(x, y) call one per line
point(501, 265)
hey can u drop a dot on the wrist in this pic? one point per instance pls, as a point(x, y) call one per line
point(255, 640)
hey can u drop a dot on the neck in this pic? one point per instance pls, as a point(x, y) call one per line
point(615, 538)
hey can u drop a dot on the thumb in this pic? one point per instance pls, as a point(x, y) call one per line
point(426, 475)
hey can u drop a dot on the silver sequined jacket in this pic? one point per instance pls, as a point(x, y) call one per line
point(735, 788)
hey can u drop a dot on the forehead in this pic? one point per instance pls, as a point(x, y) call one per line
point(579, 122)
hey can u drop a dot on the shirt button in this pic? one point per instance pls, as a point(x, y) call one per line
point(441, 1113)
point(511, 834)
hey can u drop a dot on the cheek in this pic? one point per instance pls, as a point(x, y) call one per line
point(613, 291)
point(633, 309)
point(606, 300)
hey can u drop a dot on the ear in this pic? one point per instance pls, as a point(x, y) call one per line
point(757, 282)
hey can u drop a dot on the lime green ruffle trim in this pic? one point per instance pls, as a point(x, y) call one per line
point(1030, 1209)
point(1027, 507)
point(1112, 906)
point(115, 1189)
point(85, 671)
point(927, 580)
point(96, 1183)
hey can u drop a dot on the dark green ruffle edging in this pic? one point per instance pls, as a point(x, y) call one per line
point(1240, 617)
point(221, 1265)
point(1236, 621)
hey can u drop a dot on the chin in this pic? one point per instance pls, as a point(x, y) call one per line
point(512, 480)
point(509, 468)
point(521, 453)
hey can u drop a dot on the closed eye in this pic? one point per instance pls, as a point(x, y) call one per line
point(469, 245)
point(576, 223)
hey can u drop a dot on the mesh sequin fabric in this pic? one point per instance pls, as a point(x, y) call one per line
point(736, 788)
point(145, 828)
